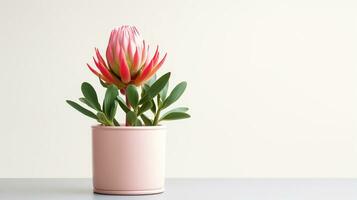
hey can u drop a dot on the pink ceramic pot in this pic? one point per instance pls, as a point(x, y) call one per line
point(129, 160)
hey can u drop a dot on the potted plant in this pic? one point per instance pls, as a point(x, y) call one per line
point(129, 157)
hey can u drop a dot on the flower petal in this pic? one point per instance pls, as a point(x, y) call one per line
point(155, 68)
point(100, 58)
point(104, 70)
point(124, 68)
point(130, 50)
point(136, 60)
point(144, 53)
point(144, 73)
point(117, 52)
point(156, 56)
point(97, 74)
point(109, 55)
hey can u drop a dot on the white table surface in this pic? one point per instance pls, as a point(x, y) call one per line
point(187, 189)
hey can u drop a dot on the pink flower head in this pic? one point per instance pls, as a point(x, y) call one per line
point(127, 59)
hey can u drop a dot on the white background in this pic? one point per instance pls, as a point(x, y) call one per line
point(272, 87)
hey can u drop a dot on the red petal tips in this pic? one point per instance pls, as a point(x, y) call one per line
point(103, 70)
point(98, 74)
point(123, 68)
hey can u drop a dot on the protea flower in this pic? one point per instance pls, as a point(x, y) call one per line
point(127, 58)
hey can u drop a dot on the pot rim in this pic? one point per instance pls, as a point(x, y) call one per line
point(122, 127)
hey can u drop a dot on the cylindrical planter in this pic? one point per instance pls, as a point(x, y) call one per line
point(128, 160)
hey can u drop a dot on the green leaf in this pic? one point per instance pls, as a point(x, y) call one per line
point(175, 116)
point(146, 106)
point(163, 92)
point(179, 109)
point(81, 109)
point(158, 101)
point(146, 120)
point(85, 101)
point(144, 89)
point(109, 99)
point(138, 122)
point(131, 117)
point(116, 123)
point(175, 94)
point(156, 88)
point(153, 108)
point(132, 95)
point(122, 104)
point(102, 118)
point(113, 111)
point(90, 94)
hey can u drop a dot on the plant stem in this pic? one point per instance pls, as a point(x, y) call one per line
point(157, 115)
point(115, 122)
point(156, 119)
point(128, 105)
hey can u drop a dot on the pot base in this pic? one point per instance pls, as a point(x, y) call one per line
point(128, 192)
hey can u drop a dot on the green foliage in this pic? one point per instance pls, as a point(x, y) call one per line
point(153, 107)
point(105, 116)
point(110, 99)
point(133, 96)
point(175, 116)
point(146, 106)
point(81, 109)
point(102, 118)
point(122, 104)
point(90, 96)
point(116, 123)
point(131, 118)
point(113, 110)
point(146, 120)
point(155, 88)
point(85, 101)
point(138, 122)
point(175, 94)
point(177, 113)
point(163, 92)
point(154, 97)
point(176, 110)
